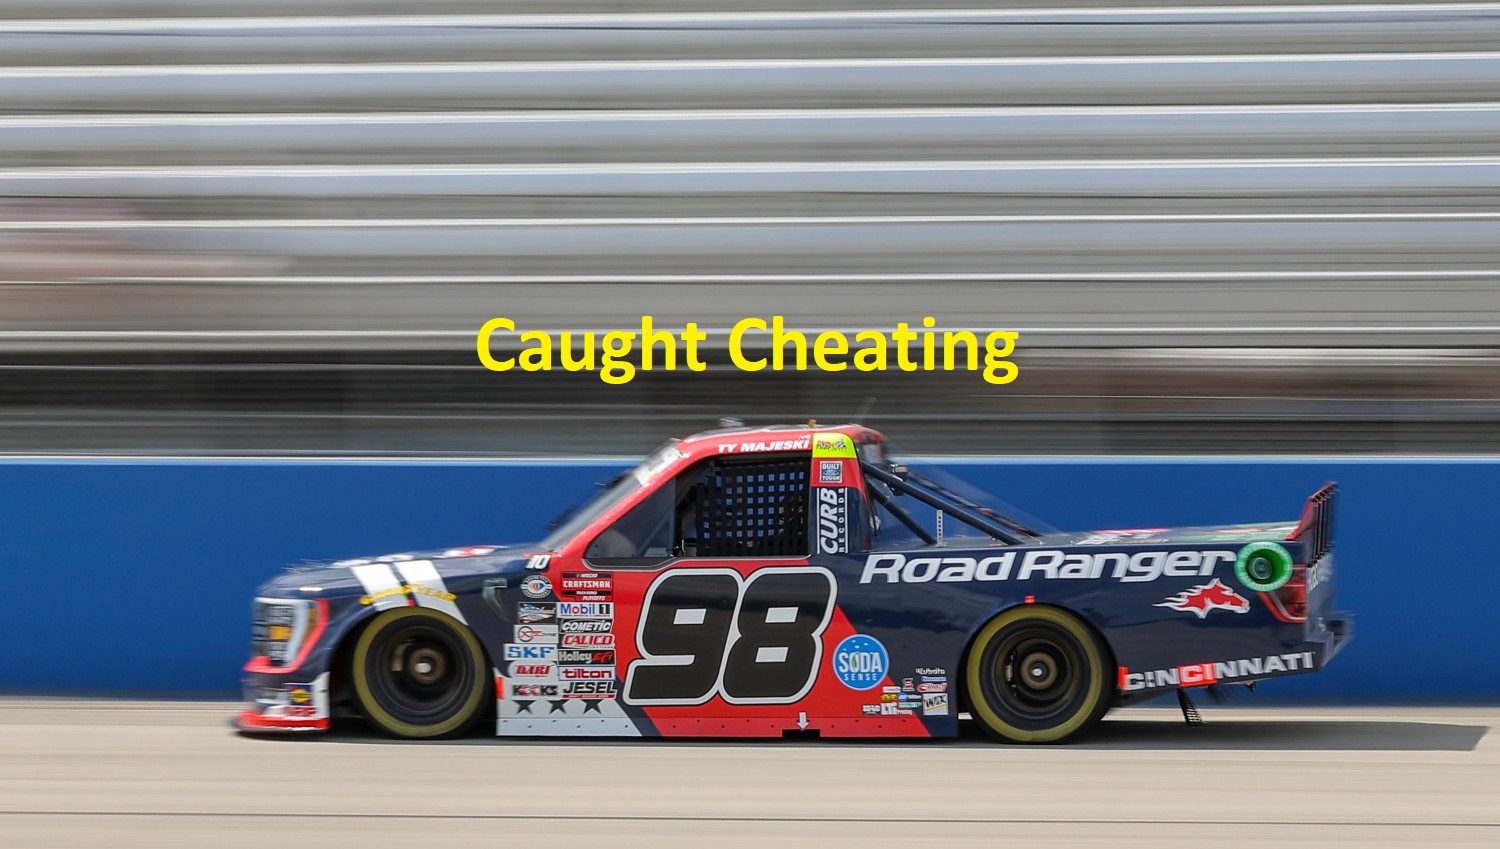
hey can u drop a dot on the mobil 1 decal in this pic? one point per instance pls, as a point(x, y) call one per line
point(709, 632)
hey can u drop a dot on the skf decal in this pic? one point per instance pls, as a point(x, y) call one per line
point(1049, 565)
point(515, 651)
point(1205, 597)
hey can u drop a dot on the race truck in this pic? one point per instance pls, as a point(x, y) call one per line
point(753, 582)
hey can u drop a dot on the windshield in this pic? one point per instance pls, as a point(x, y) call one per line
point(615, 492)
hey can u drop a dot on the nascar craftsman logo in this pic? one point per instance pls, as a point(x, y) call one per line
point(1203, 674)
point(1205, 597)
point(1049, 565)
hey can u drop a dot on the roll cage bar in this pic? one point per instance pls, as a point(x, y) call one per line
point(938, 497)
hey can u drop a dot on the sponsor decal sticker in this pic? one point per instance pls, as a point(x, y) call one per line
point(1319, 573)
point(935, 704)
point(799, 444)
point(586, 585)
point(585, 657)
point(536, 586)
point(833, 520)
point(586, 609)
point(536, 614)
point(533, 691)
point(534, 671)
point(471, 551)
point(926, 687)
point(587, 673)
point(926, 671)
point(870, 710)
point(590, 689)
point(1046, 564)
point(860, 662)
point(832, 445)
point(522, 651)
point(407, 589)
point(536, 633)
point(587, 626)
point(589, 641)
point(1203, 598)
point(893, 709)
point(1203, 674)
point(830, 471)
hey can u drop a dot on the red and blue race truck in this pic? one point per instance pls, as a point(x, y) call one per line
point(750, 582)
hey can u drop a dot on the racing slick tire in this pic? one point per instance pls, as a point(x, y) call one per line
point(419, 674)
point(1036, 674)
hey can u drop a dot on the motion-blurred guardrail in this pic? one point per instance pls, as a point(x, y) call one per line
point(196, 539)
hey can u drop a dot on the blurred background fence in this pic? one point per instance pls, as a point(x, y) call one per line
point(275, 227)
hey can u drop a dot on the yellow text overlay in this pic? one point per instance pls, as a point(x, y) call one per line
point(754, 344)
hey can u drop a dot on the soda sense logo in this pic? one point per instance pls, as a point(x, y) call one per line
point(860, 662)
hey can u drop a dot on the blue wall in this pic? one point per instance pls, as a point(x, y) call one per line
point(137, 576)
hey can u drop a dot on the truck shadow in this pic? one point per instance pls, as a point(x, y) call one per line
point(1217, 733)
point(1328, 735)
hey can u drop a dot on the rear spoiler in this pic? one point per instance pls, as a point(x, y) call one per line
point(1316, 525)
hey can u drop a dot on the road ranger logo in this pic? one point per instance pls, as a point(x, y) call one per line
point(1205, 597)
point(1203, 674)
point(1048, 564)
point(833, 537)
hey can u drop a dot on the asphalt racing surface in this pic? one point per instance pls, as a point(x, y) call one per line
point(173, 774)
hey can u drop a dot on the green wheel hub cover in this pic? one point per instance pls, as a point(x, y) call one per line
point(1263, 566)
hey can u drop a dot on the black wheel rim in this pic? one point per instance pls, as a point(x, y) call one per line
point(420, 673)
point(1036, 675)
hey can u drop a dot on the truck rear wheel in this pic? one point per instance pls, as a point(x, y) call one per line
point(1036, 674)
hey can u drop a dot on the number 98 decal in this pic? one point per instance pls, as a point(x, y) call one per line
point(707, 632)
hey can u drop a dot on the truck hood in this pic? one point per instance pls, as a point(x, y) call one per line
point(309, 580)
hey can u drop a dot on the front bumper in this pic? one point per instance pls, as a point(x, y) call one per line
point(274, 704)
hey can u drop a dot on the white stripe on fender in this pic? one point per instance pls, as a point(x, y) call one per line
point(378, 578)
point(421, 573)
